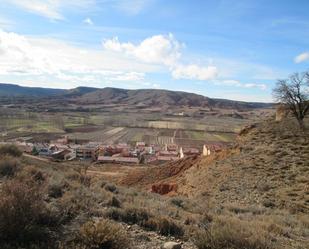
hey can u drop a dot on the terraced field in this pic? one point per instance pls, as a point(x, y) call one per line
point(126, 127)
point(110, 135)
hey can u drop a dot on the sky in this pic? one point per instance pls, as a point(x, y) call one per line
point(233, 49)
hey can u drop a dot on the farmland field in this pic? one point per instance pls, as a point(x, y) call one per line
point(111, 127)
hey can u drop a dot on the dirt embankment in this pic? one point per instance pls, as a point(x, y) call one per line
point(168, 178)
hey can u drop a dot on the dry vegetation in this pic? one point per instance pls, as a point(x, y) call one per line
point(253, 197)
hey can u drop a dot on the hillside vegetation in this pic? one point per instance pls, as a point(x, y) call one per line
point(252, 196)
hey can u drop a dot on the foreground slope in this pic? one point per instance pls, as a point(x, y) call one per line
point(269, 166)
point(254, 195)
point(263, 178)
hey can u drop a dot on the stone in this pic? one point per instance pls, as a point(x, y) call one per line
point(171, 245)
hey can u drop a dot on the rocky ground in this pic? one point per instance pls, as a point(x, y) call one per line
point(142, 239)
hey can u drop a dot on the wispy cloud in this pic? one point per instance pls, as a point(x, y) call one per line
point(237, 83)
point(194, 72)
point(132, 7)
point(302, 57)
point(88, 21)
point(5, 23)
point(51, 9)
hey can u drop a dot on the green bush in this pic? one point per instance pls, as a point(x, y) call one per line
point(103, 234)
point(10, 150)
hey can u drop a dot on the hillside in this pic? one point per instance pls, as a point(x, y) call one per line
point(253, 195)
point(10, 90)
point(143, 98)
point(269, 165)
point(264, 177)
point(161, 98)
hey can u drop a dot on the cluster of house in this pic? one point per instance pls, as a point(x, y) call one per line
point(62, 149)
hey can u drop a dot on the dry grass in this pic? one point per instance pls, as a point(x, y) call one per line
point(24, 216)
point(8, 166)
point(10, 150)
point(102, 234)
point(232, 233)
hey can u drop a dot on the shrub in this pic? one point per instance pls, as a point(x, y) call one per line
point(165, 227)
point(129, 215)
point(232, 234)
point(144, 219)
point(55, 190)
point(24, 217)
point(110, 187)
point(135, 216)
point(85, 180)
point(114, 202)
point(32, 174)
point(103, 234)
point(79, 201)
point(10, 150)
point(8, 167)
point(177, 202)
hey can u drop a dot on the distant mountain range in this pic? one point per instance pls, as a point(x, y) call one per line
point(11, 90)
point(141, 97)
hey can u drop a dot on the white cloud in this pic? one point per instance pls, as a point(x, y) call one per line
point(60, 61)
point(88, 21)
point(162, 50)
point(255, 85)
point(130, 76)
point(194, 72)
point(51, 9)
point(156, 86)
point(237, 83)
point(158, 49)
point(231, 82)
point(302, 57)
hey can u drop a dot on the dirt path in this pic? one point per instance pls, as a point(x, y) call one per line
point(36, 157)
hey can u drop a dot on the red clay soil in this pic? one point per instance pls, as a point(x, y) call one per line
point(164, 188)
point(168, 179)
point(150, 175)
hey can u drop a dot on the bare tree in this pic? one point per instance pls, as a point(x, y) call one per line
point(294, 94)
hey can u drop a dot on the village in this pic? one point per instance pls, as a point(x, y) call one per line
point(63, 149)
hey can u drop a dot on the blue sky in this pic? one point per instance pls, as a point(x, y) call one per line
point(223, 48)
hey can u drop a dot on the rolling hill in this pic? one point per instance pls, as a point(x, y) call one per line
point(161, 98)
point(10, 90)
point(140, 97)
